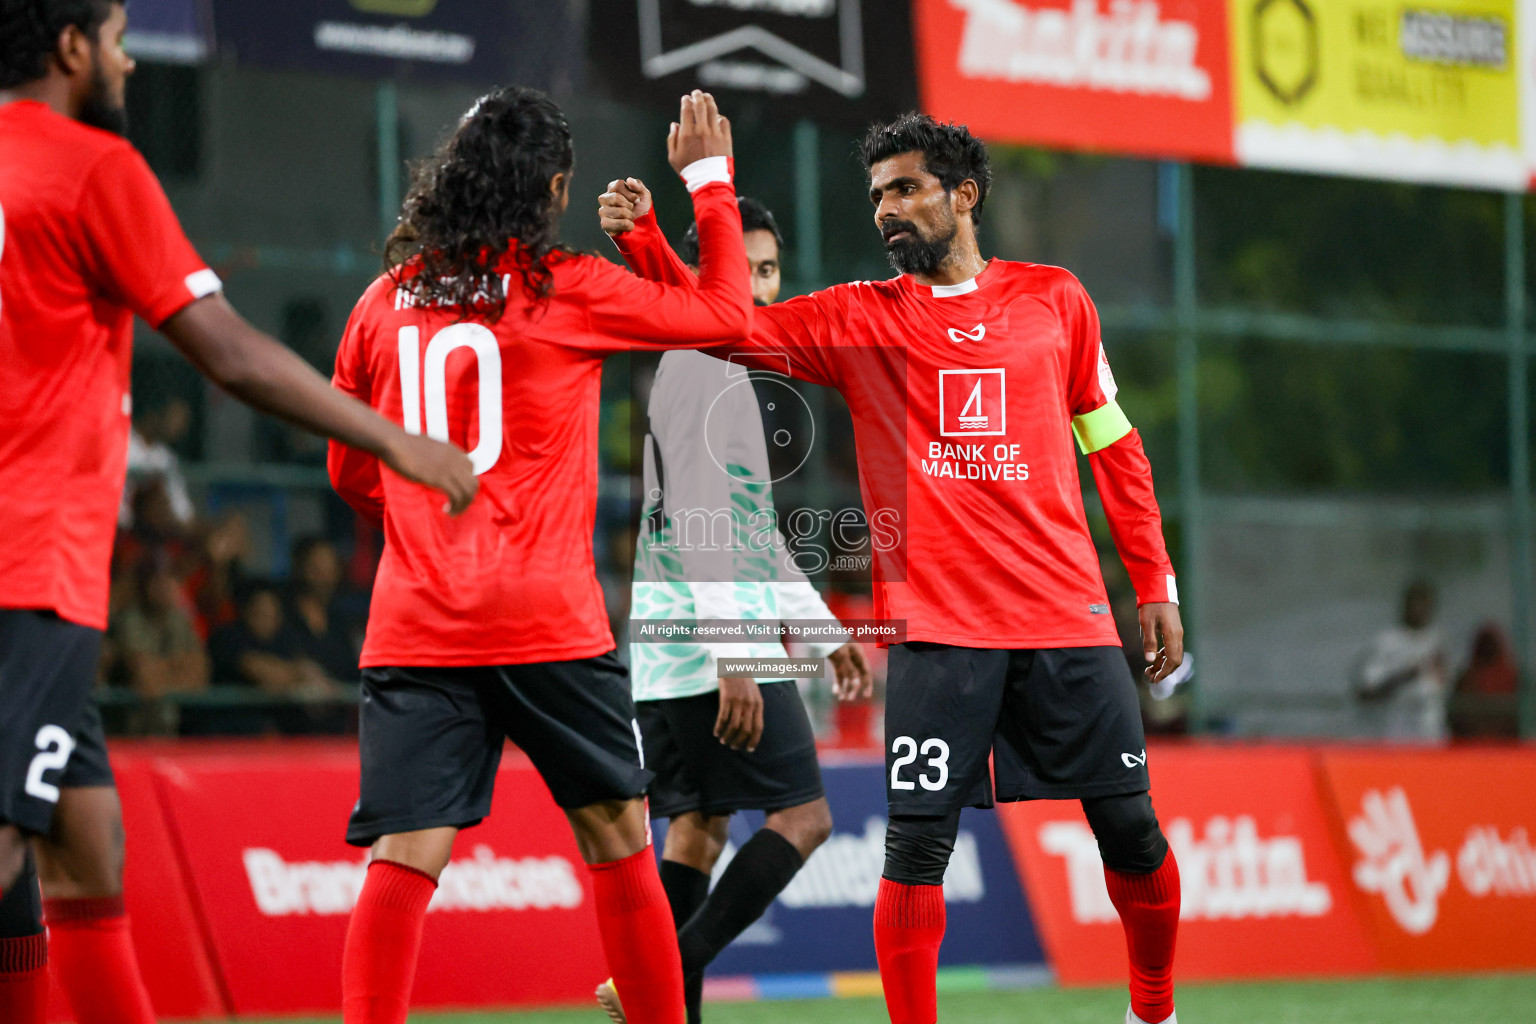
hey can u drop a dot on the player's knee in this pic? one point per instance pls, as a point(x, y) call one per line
point(917, 850)
point(807, 826)
point(1130, 840)
point(21, 907)
point(696, 841)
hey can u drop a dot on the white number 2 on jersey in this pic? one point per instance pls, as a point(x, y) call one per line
point(55, 746)
point(425, 376)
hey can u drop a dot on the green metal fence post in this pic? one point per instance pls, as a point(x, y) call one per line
point(386, 105)
point(1186, 357)
point(1519, 459)
point(807, 240)
point(809, 277)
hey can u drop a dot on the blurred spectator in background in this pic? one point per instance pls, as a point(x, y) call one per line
point(260, 649)
point(215, 581)
point(1400, 681)
point(158, 650)
point(326, 634)
point(152, 456)
point(156, 527)
point(1485, 701)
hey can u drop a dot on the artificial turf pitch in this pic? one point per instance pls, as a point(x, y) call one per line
point(1478, 999)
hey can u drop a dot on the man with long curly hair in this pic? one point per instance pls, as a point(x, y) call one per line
point(486, 330)
point(88, 240)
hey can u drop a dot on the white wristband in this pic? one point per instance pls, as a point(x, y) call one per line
point(707, 171)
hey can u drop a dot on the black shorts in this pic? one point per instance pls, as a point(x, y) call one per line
point(1060, 723)
point(50, 732)
point(696, 772)
point(431, 740)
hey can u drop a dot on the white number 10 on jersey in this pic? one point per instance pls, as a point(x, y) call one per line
point(425, 376)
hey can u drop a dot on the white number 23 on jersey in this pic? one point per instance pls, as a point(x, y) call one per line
point(907, 750)
point(424, 382)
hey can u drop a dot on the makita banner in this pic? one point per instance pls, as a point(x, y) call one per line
point(822, 921)
point(1440, 852)
point(1140, 77)
point(831, 60)
point(261, 835)
point(1258, 870)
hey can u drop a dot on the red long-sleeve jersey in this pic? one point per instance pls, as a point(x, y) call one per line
point(87, 240)
point(965, 402)
point(512, 581)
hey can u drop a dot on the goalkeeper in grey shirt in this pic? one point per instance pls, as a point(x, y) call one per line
point(720, 744)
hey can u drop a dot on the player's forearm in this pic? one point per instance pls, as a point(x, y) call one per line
point(269, 376)
point(724, 283)
point(1124, 479)
point(651, 256)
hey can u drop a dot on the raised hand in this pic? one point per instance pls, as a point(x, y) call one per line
point(625, 202)
point(700, 131)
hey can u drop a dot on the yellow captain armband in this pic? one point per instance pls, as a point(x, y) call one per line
point(1100, 428)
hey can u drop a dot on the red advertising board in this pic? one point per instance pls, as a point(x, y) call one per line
point(261, 836)
point(1264, 893)
point(178, 972)
point(1141, 77)
point(1440, 853)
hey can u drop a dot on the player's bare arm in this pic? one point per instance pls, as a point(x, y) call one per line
point(1162, 639)
point(266, 374)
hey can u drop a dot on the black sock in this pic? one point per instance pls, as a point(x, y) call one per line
point(759, 872)
point(21, 906)
point(687, 887)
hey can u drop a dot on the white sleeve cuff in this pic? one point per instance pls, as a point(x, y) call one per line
point(202, 283)
point(706, 172)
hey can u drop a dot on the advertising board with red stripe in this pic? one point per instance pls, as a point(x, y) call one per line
point(1264, 892)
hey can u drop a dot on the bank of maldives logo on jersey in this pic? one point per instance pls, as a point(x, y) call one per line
point(972, 403)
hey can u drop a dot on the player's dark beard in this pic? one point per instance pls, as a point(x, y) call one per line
point(917, 253)
point(98, 110)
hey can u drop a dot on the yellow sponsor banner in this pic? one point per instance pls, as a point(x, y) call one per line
point(1418, 90)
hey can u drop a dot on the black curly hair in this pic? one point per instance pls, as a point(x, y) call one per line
point(950, 152)
point(29, 31)
point(754, 217)
point(485, 193)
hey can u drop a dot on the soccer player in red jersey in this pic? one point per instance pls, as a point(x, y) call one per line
point(486, 330)
point(87, 240)
point(967, 380)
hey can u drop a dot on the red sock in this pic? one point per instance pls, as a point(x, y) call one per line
point(378, 964)
point(640, 938)
point(1149, 910)
point(94, 958)
point(24, 979)
point(909, 926)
